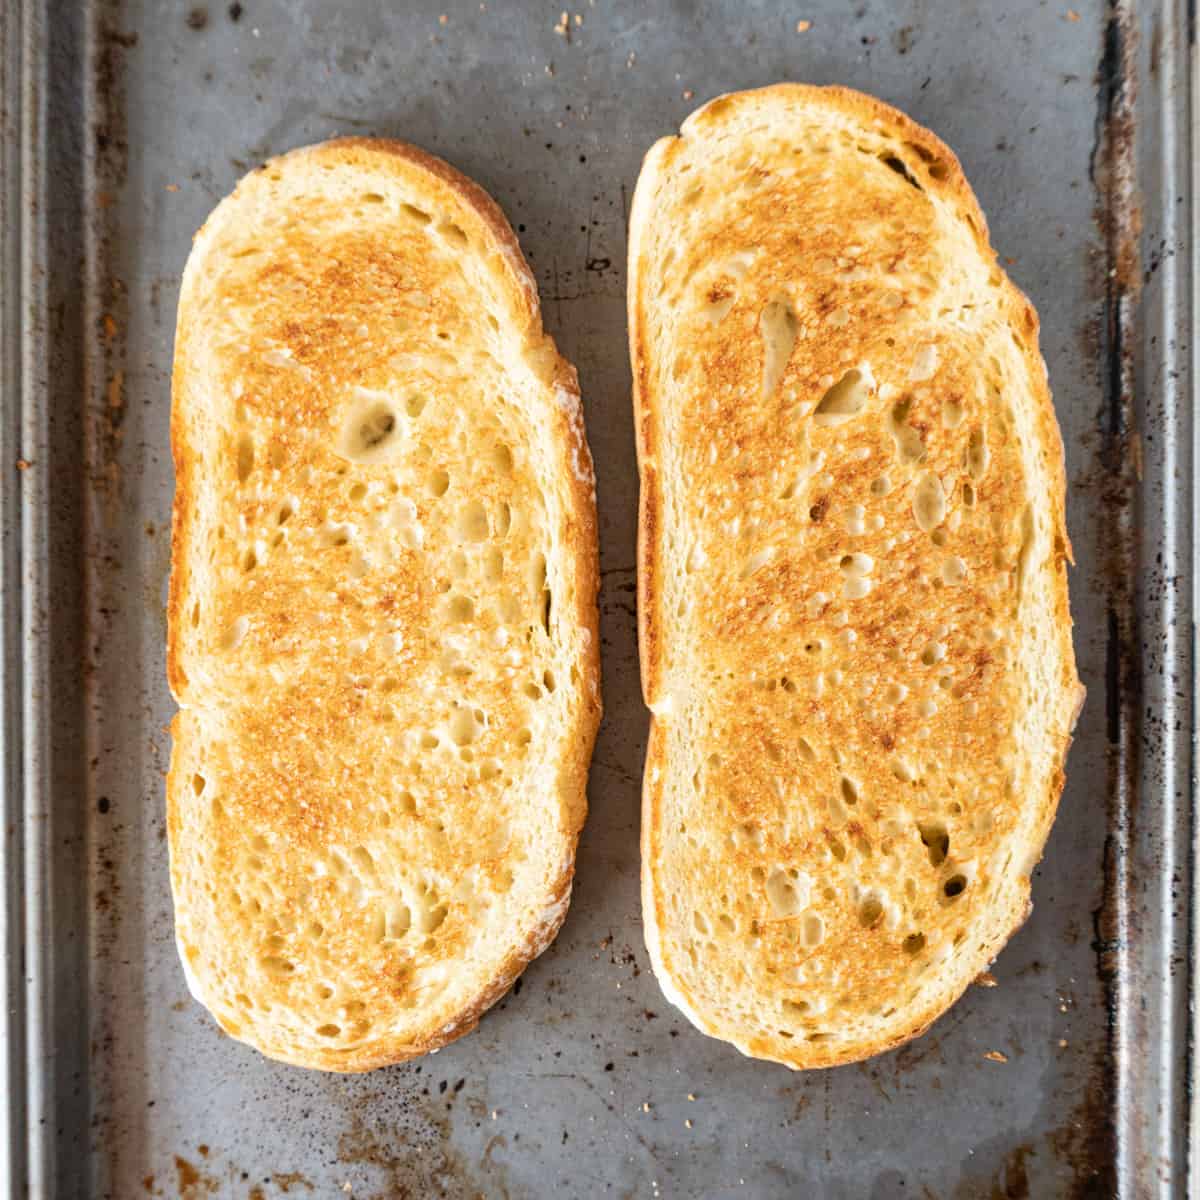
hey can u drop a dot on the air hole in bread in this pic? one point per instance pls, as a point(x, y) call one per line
point(954, 570)
point(429, 741)
point(397, 921)
point(417, 214)
point(908, 442)
point(844, 400)
point(849, 791)
point(332, 535)
point(777, 326)
point(431, 919)
point(235, 634)
point(438, 482)
point(198, 784)
point(502, 458)
point(453, 233)
point(372, 198)
point(504, 519)
point(933, 653)
point(936, 839)
point(977, 455)
point(895, 163)
point(464, 728)
point(493, 565)
point(929, 503)
point(473, 521)
point(785, 894)
point(881, 486)
point(954, 886)
point(329, 1031)
point(812, 930)
point(245, 457)
point(370, 432)
point(1025, 551)
point(461, 608)
point(870, 911)
point(276, 966)
point(414, 405)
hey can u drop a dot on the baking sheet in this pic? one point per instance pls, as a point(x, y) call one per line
point(123, 124)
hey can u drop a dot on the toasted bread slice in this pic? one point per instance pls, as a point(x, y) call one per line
point(382, 610)
point(855, 636)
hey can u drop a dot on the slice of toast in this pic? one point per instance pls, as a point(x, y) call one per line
point(383, 629)
point(855, 637)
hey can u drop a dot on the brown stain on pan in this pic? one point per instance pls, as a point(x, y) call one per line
point(413, 1172)
point(1086, 1141)
point(192, 1182)
point(110, 145)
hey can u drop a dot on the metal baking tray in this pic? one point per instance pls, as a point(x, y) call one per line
point(123, 122)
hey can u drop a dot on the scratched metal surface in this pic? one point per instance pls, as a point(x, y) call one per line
point(124, 123)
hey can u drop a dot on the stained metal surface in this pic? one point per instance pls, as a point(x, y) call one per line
point(123, 125)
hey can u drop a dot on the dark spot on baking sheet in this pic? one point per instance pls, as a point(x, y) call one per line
point(197, 18)
point(235, 11)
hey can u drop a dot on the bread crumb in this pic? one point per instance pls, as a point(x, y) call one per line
point(985, 979)
point(443, 19)
point(495, 1114)
point(996, 1056)
point(1072, 15)
point(646, 1106)
point(23, 464)
point(563, 28)
point(631, 59)
point(172, 187)
point(579, 18)
point(691, 1095)
point(688, 1122)
point(1062, 1043)
point(803, 26)
point(688, 93)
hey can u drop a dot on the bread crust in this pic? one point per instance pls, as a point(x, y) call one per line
point(499, 255)
point(655, 435)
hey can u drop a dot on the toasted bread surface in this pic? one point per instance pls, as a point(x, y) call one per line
point(854, 625)
point(382, 615)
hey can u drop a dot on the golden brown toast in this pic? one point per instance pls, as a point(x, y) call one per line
point(382, 611)
point(855, 636)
